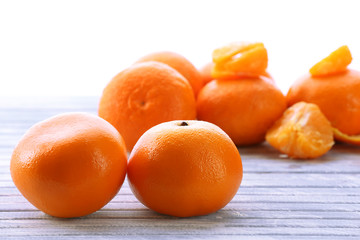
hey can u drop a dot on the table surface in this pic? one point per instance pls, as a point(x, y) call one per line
point(279, 198)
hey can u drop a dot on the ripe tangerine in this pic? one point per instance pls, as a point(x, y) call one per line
point(69, 165)
point(185, 168)
point(144, 95)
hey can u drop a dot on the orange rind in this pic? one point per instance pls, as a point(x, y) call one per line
point(342, 137)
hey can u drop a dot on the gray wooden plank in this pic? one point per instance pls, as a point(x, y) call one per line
point(183, 223)
point(248, 190)
point(60, 228)
point(113, 210)
point(239, 198)
point(192, 237)
point(135, 210)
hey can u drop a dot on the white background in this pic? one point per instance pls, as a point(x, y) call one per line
point(76, 47)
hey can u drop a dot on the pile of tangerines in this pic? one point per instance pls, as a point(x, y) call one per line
point(181, 126)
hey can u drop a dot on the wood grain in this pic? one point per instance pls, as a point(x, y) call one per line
point(280, 198)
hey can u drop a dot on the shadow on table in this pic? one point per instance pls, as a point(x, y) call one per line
point(266, 151)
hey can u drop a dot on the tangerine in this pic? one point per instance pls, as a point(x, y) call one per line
point(69, 165)
point(180, 64)
point(185, 168)
point(205, 72)
point(144, 95)
point(244, 108)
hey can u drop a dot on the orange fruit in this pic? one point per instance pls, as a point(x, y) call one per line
point(302, 132)
point(239, 59)
point(185, 168)
point(69, 165)
point(244, 108)
point(205, 72)
point(335, 63)
point(338, 97)
point(180, 64)
point(143, 96)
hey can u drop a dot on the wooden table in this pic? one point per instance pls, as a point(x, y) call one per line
point(279, 198)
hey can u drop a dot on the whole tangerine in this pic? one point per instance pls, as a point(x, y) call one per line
point(180, 64)
point(244, 108)
point(205, 72)
point(69, 165)
point(185, 168)
point(144, 95)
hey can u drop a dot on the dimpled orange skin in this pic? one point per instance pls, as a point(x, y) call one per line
point(70, 165)
point(186, 170)
point(205, 72)
point(180, 64)
point(244, 108)
point(338, 97)
point(143, 96)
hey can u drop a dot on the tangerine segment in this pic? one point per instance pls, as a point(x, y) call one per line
point(302, 132)
point(227, 52)
point(237, 59)
point(336, 62)
point(352, 139)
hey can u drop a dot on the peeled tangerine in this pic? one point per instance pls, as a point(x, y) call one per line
point(302, 132)
point(336, 62)
point(240, 59)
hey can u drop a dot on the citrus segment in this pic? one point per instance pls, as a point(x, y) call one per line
point(240, 59)
point(302, 132)
point(336, 62)
point(228, 51)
